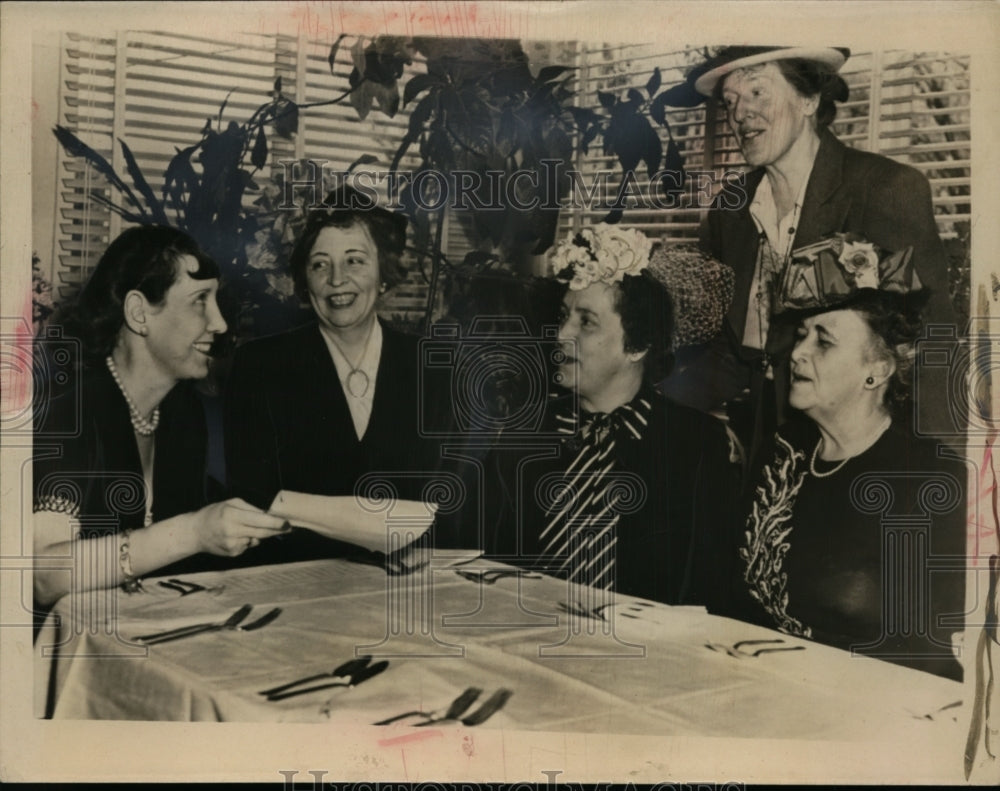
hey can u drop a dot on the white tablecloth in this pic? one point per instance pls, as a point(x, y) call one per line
point(643, 668)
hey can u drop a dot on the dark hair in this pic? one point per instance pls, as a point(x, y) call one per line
point(809, 78)
point(345, 210)
point(895, 324)
point(144, 259)
point(647, 316)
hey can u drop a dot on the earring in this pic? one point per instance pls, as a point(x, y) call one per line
point(382, 288)
point(143, 331)
point(870, 380)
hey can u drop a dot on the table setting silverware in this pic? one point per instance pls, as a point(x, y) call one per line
point(264, 620)
point(350, 674)
point(737, 649)
point(186, 588)
point(341, 671)
point(458, 707)
point(233, 622)
point(490, 576)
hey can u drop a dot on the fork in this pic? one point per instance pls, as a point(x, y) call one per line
point(186, 588)
point(490, 576)
point(459, 706)
point(187, 631)
point(341, 671)
point(236, 625)
point(356, 677)
point(493, 704)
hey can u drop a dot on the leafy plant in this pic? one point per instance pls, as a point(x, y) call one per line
point(42, 304)
point(208, 202)
point(479, 109)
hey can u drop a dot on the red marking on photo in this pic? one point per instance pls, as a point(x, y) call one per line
point(409, 738)
point(15, 372)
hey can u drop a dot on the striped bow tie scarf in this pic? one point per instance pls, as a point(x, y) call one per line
point(578, 542)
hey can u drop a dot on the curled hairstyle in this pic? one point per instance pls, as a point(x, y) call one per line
point(809, 79)
point(647, 316)
point(896, 325)
point(144, 259)
point(386, 229)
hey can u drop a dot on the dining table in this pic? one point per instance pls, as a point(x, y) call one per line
point(449, 639)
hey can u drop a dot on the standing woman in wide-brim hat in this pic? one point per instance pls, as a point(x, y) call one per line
point(803, 186)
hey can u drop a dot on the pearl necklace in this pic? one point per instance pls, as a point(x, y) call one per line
point(141, 425)
point(355, 369)
point(828, 473)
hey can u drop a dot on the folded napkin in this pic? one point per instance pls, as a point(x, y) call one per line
point(385, 526)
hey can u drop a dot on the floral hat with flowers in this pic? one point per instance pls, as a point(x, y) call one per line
point(600, 253)
point(700, 287)
point(830, 272)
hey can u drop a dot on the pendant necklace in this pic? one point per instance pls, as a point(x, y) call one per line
point(357, 381)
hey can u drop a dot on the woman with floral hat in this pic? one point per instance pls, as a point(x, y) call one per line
point(856, 533)
point(803, 185)
point(627, 498)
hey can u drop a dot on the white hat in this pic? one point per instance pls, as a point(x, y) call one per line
point(733, 58)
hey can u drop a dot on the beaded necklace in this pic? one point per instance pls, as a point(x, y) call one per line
point(142, 426)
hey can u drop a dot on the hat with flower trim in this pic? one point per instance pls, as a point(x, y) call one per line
point(830, 272)
point(700, 287)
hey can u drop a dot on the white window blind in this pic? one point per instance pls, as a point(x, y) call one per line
point(913, 107)
point(155, 91)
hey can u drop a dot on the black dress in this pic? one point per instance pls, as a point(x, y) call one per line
point(86, 461)
point(288, 427)
point(670, 484)
point(869, 556)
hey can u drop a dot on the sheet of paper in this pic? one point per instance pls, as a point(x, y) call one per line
point(389, 528)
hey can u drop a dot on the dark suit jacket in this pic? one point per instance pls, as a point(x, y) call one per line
point(288, 426)
point(848, 191)
point(665, 547)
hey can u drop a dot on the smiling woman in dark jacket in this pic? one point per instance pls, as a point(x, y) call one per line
point(316, 408)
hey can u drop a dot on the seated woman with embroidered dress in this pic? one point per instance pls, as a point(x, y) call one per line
point(316, 408)
point(853, 512)
point(626, 484)
point(121, 449)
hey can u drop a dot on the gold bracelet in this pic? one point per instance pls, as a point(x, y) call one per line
point(130, 582)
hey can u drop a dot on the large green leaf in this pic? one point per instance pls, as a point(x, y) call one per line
point(75, 147)
point(332, 57)
point(418, 84)
point(180, 180)
point(420, 115)
point(653, 85)
point(286, 118)
point(258, 156)
point(552, 72)
point(155, 207)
